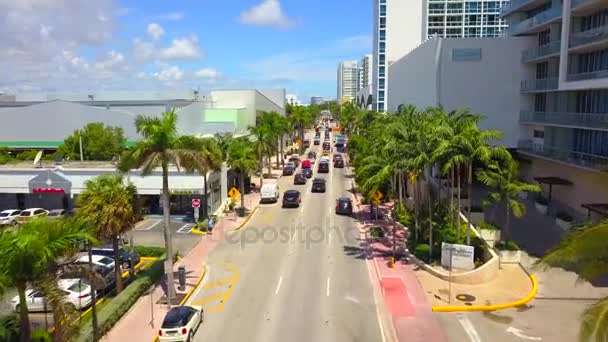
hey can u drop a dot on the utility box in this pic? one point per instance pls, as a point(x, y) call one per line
point(181, 276)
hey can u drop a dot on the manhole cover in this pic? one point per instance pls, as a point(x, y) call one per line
point(465, 297)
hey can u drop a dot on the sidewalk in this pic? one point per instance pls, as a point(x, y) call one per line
point(143, 320)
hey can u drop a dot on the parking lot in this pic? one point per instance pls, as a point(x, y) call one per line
point(150, 233)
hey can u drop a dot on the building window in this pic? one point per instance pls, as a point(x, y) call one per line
point(592, 61)
point(382, 47)
point(595, 20)
point(382, 60)
point(472, 31)
point(383, 10)
point(435, 31)
point(454, 8)
point(381, 107)
point(381, 71)
point(381, 83)
point(382, 34)
point(436, 8)
point(381, 96)
point(453, 32)
point(540, 102)
point(591, 142)
point(472, 7)
point(542, 70)
point(539, 134)
point(544, 37)
point(592, 101)
point(382, 23)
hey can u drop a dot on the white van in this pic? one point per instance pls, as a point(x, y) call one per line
point(269, 192)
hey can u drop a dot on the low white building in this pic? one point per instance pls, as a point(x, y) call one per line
point(481, 74)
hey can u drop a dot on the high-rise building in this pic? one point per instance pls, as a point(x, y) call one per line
point(400, 26)
point(365, 71)
point(348, 81)
point(317, 100)
point(565, 112)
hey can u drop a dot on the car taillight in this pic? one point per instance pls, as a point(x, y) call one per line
point(83, 296)
point(160, 333)
point(184, 331)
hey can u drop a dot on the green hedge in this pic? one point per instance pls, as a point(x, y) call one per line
point(146, 251)
point(113, 311)
point(422, 251)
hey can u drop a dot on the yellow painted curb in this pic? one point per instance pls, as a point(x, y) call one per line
point(197, 232)
point(247, 219)
point(189, 293)
point(148, 258)
point(495, 307)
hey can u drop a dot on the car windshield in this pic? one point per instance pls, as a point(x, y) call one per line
point(105, 261)
point(25, 213)
point(4, 214)
point(55, 213)
point(78, 287)
point(175, 318)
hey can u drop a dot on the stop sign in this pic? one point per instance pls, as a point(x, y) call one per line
point(196, 203)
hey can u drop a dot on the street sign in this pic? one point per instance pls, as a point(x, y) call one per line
point(377, 196)
point(457, 256)
point(196, 203)
point(233, 192)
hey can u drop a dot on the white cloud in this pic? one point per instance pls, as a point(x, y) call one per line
point(155, 31)
point(171, 16)
point(143, 51)
point(209, 73)
point(267, 13)
point(182, 49)
point(172, 73)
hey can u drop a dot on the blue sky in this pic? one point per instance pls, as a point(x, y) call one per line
point(132, 44)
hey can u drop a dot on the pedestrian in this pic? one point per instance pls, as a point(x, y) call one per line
point(210, 225)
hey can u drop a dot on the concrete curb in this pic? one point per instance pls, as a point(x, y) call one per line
point(197, 232)
point(246, 219)
point(495, 307)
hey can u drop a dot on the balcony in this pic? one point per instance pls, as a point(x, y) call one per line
point(578, 120)
point(584, 7)
point(539, 52)
point(515, 5)
point(532, 25)
point(546, 84)
point(594, 75)
point(586, 160)
point(593, 36)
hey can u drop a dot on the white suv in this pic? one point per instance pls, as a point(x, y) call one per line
point(8, 217)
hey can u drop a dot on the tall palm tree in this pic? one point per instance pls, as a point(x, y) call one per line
point(210, 158)
point(161, 146)
point(241, 157)
point(300, 118)
point(265, 142)
point(27, 253)
point(503, 176)
point(223, 141)
point(585, 252)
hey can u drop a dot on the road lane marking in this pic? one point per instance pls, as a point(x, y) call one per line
point(278, 285)
point(153, 226)
point(185, 228)
point(468, 327)
point(328, 285)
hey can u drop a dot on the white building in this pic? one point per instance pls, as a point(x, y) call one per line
point(458, 73)
point(293, 100)
point(348, 81)
point(565, 112)
point(366, 71)
point(400, 26)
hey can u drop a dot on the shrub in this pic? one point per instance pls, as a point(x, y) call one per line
point(113, 311)
point(202, 226)
point(27, 155)
point(403, 215)
point(422, 251)
point(542, 201)
point(146, 251)
point(506, 246)
point(9, 328)
point(488, 226)
point(376, 232)
point(480, 249)
point(564, 216)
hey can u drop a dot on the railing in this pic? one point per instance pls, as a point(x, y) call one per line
point(539, 19)
point(512, 6)
point(591, 36)
point(576, 3)
point(539, 85)
point(599, 121)
point(588, 75)
point(568, 156)
point(540, 51)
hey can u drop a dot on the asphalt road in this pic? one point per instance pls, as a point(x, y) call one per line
point(151, 234)
point(288, 275)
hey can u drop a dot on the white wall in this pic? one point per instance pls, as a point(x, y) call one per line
point(405, 28)
point(490, 86)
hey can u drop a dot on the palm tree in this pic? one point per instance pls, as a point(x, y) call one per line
point(300, 118)
point(161, 145)
point(241, 157)
point(223, 141)
point(109, 204)
point(28, 253)
point(264, 143)
point(503, 176)
point(210, 158)
point(584, 251)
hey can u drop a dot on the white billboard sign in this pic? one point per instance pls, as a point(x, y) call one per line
point(457, 256)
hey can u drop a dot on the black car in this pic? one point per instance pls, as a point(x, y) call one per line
point(312, 155)
point(291, 198)
point(299, 178)
point(295, 160)
point(127, 258)
point(323, 167)
point(344, 206)
point(318, 185)
point(339, 163)
point(306, 143)
point(337, 156)
point(288, 171)
point(307, 173)
point(326, 145)
point(317, 141)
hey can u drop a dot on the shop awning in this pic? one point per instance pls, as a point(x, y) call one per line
point(598, 208)
point(551, 181)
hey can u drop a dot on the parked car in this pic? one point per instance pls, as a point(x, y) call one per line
point(295, 159)
point(344, 206)
point(97, 260)
point(318, 185)
point(299, 178)
point(291, 198)
point(307, 173)
point(317, 141)
point(306, 143)
point(56, 213)
point(180, 324)
point(31, 213)
point(326, 145)
point(9, 216)
point(126, 257)
point(269, 192)
point(288, 170)
point(291, 164)
point(337, 156)
point(77, 293)
point(323, 167)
